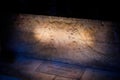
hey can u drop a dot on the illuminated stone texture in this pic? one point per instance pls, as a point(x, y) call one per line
point(77, 41)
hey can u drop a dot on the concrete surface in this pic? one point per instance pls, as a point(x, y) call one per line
point(32, 69)
point(78, 41)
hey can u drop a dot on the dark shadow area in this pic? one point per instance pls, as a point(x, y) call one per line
point(102, 10)
point(7, 30)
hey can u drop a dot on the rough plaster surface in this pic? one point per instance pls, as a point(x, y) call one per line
point(77, 41)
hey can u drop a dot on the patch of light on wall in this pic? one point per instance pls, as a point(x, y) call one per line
point(81, 37)
point(77, 40)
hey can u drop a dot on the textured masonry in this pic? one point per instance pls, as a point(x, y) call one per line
point(77, 41)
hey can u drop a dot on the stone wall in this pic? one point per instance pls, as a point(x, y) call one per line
point(77, 41)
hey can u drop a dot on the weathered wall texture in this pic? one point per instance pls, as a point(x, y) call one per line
point(79, 41)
